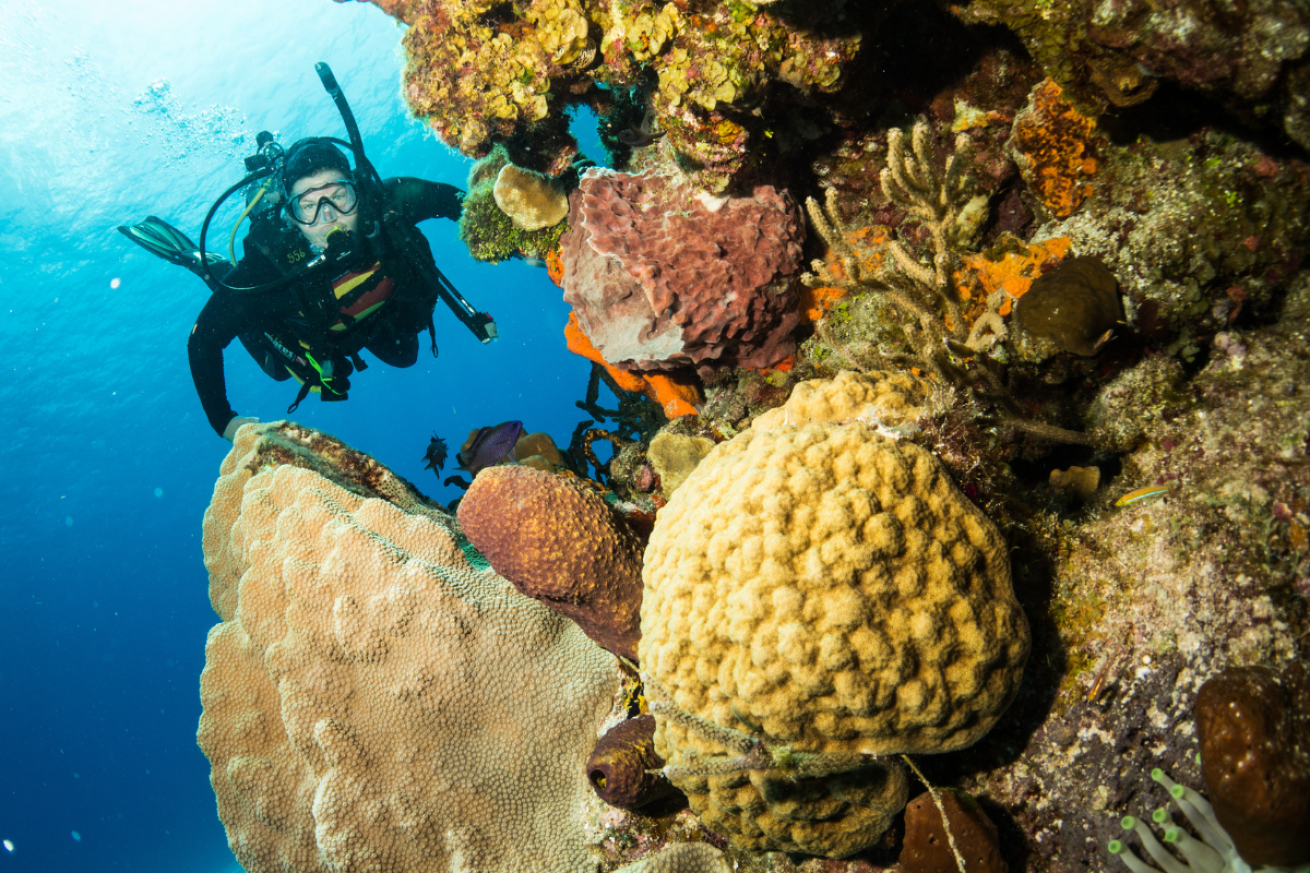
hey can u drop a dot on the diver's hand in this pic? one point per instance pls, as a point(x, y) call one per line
point(230, 432)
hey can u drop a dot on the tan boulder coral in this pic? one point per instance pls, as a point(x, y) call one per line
point(881, 398)
point(816, 597)
point(674, 456)
point(531, 200)
point(372, 702)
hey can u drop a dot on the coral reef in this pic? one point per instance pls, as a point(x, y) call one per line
point(558, 542)
point(661, 277)
point(623, 766)
point(826, 589)
point(1252, 57)
point(1135, 607)
point(959, 175)
point(483, 73)
point(928, 299)
point(370, 700)
point(1199, 234)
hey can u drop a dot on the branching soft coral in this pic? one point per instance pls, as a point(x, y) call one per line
point(926, 294)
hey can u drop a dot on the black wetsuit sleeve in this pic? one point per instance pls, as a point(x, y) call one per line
point(418, 199)
point(218, 324)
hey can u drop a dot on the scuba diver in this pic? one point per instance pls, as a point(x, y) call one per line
point(333, 264)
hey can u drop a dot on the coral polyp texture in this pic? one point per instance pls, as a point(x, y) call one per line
point(662, 276)
point(879, 398)
point(370, 700)
point(1252, 57)
point(829, 596)
point(560, 543)
point(482, 72)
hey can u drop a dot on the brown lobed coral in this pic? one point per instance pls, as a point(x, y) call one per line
point(370, 701)
point(662, 276)
point(559, 543)
point(1254, 727)
point(1076, 306)
point(827, 594)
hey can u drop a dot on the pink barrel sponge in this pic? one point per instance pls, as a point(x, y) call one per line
point(663, 276)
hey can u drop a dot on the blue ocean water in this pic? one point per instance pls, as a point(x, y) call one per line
point(110, 112)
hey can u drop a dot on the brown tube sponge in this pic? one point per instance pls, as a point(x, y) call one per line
point(619, 766)
point(559, 543)
point(927, 850)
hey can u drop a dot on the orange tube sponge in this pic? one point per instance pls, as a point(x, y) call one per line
point(370, 700)
point(677, 394)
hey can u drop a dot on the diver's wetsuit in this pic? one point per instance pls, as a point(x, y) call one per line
point(392, 304)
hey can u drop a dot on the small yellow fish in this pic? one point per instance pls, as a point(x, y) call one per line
point(1142, 494)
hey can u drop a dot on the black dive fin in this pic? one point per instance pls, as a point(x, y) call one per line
point(163, 240)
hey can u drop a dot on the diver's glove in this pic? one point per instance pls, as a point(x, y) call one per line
point(230, 432)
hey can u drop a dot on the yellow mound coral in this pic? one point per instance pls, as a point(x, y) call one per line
point(674, 456)
point(532, 201)
point(372, 702)
point(823, 592)
point(882, 398)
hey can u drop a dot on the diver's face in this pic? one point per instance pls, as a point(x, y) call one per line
point(318, 192)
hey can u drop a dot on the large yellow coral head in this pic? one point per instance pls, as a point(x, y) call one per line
point(829, 589)
point(882, 398)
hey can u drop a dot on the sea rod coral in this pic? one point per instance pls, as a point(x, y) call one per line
point(370, 701)
point(927, 296)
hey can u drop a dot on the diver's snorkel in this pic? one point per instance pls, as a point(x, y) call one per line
point(367, 180)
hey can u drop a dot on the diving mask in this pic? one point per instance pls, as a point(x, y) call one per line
point(338, 196)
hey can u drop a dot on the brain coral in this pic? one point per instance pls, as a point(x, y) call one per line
point(371, 702)
point(663, 277)
point(560, 543)
point(887, 398)
point(828, 589)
